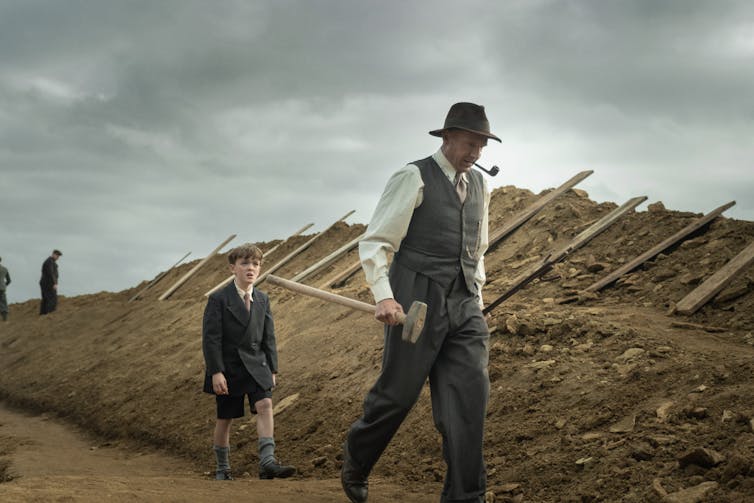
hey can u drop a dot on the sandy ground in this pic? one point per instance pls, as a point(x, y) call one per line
point(54, 461)
point(600, 398)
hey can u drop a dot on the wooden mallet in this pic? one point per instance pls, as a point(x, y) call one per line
point(413, 321)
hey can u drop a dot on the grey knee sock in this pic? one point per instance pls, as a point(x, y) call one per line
point(222, 455)
point(266, 451)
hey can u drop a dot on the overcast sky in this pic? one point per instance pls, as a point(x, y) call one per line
point(132, 132)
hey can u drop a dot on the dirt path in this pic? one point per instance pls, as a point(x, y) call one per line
point(51, 461)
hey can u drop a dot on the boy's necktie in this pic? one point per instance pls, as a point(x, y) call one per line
point(247, 301)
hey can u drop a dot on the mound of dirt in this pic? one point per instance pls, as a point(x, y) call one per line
point(609, 398)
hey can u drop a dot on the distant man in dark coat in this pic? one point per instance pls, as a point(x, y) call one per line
point(241, 360)
point(49, 283)
point(433, 216)
point(4, 281)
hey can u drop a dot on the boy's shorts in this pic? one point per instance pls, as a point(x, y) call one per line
point(231, 406)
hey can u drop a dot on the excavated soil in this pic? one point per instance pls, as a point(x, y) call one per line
point(606, 397)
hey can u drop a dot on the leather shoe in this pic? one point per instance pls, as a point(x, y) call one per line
point(223, 475)
point(354, 481)
point(275, 471)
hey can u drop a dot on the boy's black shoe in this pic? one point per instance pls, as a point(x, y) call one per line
point(354, 481)
point(223, 475)
point(275, 471)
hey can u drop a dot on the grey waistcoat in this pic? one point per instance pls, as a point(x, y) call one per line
point(443, 236)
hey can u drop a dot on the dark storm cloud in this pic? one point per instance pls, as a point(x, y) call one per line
point(133, 132)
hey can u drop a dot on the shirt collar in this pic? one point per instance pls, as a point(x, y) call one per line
point(446, 167)
point(242, 292)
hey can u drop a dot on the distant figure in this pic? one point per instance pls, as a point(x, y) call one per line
point(49, 283)
point(241, 360)
point(4, 281)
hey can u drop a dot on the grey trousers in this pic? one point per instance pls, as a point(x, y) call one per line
point(3, 303)
point(453, 351)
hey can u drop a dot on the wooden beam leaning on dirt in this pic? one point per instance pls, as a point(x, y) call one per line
point(651, 253)
point(198, 266)
point(298, 250)
point(554, 257)
point(274, 248)
point(265, 254)
point(341, 277)
point(534, 208)
point(158, 278)
point(704, 292)
point(328, 259)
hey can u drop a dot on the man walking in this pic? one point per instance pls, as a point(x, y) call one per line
point(49, 283)
point(4, 282)
point(433, 216)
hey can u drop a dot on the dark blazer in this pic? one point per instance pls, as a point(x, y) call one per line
point(49, 273)
point(236, 343)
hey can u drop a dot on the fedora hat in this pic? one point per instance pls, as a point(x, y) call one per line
point(469, 117)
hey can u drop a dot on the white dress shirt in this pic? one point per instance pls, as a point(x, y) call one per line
point(403, 193)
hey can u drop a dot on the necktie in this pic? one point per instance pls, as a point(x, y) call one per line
point(460, 187)
point(247, 301)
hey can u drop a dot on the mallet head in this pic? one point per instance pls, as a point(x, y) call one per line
point(414, 322)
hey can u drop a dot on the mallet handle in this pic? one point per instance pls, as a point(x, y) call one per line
point(328, 296)
point(321, 294)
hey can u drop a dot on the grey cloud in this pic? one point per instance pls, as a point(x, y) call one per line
point(612, 53)
point(136, 131)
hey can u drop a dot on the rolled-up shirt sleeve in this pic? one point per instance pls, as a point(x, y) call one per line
point(389, 225)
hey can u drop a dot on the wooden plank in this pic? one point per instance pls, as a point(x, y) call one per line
point(553, 258)
point(342, 276)
point(704, 292)
point(298, 250)
point(158, 278)
point(328, 259)
point(656, 250)
point(534, 208)
point(274, 248)
point(601, 225)
point(265, 254)
point(193, 271)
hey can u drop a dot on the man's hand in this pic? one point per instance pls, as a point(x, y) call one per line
point(387, 311)
point(219, 384)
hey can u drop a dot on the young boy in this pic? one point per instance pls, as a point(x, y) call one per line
point(238, 341)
